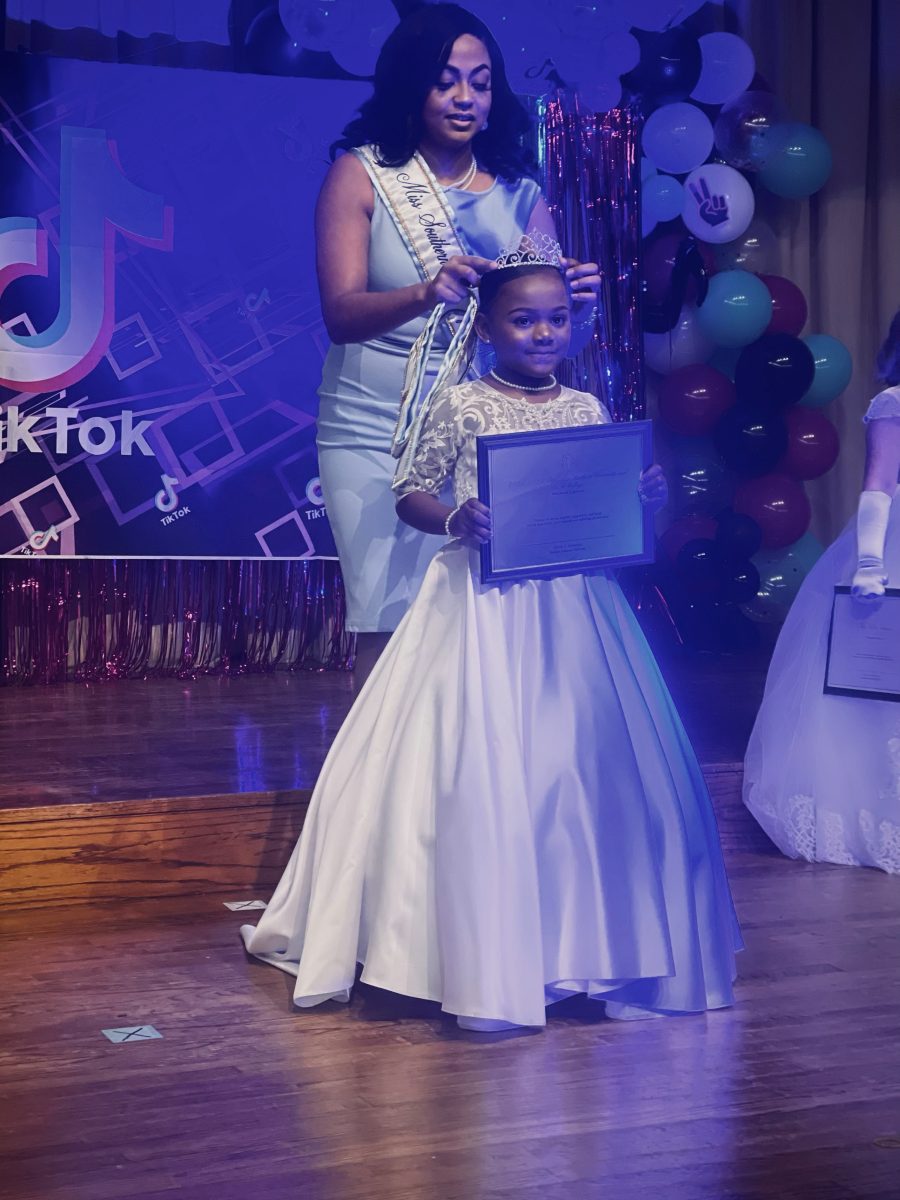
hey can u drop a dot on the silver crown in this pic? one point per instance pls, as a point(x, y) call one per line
point(535, 249)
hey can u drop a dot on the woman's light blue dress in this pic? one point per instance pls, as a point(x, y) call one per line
point(383, 561)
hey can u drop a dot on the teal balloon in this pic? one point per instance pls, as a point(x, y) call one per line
point(736, 310)
point(834, 367)
point(781, 572)
point(797, 161)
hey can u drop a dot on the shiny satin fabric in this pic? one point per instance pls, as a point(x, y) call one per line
point(510, 813)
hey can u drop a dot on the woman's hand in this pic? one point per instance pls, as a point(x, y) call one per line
point(471, 523)
point(454, 281)
point(583, 280)
point(653, 489)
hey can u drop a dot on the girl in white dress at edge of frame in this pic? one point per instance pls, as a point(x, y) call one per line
point(822, 771)
point(511, 812)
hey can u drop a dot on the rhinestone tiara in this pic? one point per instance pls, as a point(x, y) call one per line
point(534, 249)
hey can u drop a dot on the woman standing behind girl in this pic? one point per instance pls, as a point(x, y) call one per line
point(822, 772)
point(443, 122)
point(511, 812)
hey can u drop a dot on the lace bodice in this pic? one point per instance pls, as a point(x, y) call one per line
point(447, 448)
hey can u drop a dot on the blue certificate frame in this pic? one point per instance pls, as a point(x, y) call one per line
point(565, 501)
point(864, 646)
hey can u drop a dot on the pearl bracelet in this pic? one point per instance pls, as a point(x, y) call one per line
point(450, 517)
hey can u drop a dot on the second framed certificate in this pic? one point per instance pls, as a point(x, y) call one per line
point(565, 501)
point(864, 646)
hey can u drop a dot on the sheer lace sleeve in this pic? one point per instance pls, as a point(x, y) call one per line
point(437, 451)
point(885, 404)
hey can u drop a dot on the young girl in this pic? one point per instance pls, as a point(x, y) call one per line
point(511, 812)
point(822, 773)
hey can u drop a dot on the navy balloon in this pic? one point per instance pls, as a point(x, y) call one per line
point(774, 371)
point(750, 441)
point(738, 537)
point(669, 68)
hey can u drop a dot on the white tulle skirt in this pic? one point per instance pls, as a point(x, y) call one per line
point(822, 772)
point(511, 813)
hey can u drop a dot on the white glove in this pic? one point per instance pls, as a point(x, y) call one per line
point(871, 529)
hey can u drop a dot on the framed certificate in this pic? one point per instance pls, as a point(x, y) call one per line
point(565, 501)
point(864, 646)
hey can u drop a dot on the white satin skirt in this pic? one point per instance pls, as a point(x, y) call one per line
point(822, 772)
point(511, 813)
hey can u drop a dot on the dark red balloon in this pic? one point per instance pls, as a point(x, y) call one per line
point(779, 506)
point(659, 263)
point(692, 399)
point(684, 530)
point(789, 311)
point(813, 444)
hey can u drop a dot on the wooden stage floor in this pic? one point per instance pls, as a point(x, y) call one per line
point(140, 739)
point(794, 1094)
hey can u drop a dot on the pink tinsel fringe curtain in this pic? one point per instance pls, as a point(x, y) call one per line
point(112, 619)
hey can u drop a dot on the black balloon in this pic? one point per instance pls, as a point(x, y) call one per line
point(751, 442)
point(697, 565)
point(669, 67)
point(738, 537)
point(739, 582)
point(774, 371)
point(689, 264)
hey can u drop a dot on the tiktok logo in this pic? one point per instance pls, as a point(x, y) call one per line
point(96, 199)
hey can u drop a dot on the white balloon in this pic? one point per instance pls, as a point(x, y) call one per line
point(728, 67)
point(680, 347)
point(620, 52)
point(677, 137)
point(600, 95)
point(660, 14)
point(718, 203)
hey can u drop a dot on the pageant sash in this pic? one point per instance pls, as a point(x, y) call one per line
point(427, 225)
point(419, 209)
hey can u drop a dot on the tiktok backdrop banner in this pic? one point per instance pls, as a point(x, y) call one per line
point(160, 335)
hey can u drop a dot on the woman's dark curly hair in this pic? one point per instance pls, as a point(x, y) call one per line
point(409, 66)
point(887, 364)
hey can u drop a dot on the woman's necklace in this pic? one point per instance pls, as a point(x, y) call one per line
point(518, 387)
point(464, 180)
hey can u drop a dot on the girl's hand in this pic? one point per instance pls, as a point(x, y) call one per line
point(869, 582)
point(583, 280)
point(471, 523)
point(454, 281)
point(653, 489)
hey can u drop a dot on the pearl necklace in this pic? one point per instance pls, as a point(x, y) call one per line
point(464, 180)
point(518, 387)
